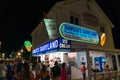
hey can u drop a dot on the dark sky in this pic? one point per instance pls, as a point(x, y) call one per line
point(18, 18)
point(112, 10)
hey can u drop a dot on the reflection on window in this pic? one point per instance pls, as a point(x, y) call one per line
point(72, 58)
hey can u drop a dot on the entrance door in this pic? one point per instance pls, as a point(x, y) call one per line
point(65, 58)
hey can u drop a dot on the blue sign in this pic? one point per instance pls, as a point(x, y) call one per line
point(58, 43)
point(78, 33)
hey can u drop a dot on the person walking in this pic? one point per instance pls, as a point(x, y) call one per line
point(83, 69)
point(63, 74)
point(55, 71)
point(44, 74)
point(69, 71)
point(9, 69)
point(3, 70)
point(38, 67)
point(13, 76)
point(19, 70)
point(32, 73)
point(26, 70)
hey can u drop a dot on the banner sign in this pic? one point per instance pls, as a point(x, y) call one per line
point(78, 33)
point(58, 43)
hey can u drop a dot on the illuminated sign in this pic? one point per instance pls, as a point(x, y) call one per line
point(28, 45)
point(64, 44)
point(58, 43)
point(51, 28)
point(78, 33)
point(103, 39)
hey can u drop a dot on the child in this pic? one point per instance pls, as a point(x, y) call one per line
point(13, 76)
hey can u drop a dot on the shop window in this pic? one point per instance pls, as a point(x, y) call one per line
point(114, 62)
point(74, 20)
point(119, 59)
point(72, 59)
point(102, 28)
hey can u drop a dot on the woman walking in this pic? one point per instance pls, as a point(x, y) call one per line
point(63, 74)
point(44, 74)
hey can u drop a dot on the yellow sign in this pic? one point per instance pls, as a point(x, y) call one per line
point(103, 39)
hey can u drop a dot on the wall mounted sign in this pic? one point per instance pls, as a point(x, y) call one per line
point(58, 43)
point(28, 45)
point(103, 39)
point(78, 33)
point(51, 28)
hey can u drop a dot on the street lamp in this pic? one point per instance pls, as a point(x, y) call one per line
point(19, 54)
point(21, 50)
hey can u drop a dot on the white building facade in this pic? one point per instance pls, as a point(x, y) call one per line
point(88, 14)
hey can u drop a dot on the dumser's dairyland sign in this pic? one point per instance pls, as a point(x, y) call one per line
point(78, 33)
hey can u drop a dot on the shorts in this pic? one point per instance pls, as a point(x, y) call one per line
point(84, 76)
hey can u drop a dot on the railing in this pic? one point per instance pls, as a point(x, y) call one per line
point(111, 75)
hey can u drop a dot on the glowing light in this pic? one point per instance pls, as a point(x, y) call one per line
point(28, 45)
point(103, 39)
point(78, 33)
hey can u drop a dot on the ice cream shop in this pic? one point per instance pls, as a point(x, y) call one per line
point(53, 50)
point(78, 44)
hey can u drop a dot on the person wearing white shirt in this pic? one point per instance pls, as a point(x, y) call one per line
point(3, 70)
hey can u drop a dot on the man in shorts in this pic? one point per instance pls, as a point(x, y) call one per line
point(83, 69)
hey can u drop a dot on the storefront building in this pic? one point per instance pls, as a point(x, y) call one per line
point(53, 50)
point(85, 37)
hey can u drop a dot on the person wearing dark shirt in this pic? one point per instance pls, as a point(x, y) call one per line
point(26, 72)
point(19, 69)
point(13, 76)
point(9, 69)
point(55, 71)
point(44, 74)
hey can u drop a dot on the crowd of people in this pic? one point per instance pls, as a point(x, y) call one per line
point(25, 70)
point(45, 72)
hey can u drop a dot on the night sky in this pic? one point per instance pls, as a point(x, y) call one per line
point(18, 18)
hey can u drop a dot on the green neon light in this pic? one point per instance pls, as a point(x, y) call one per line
point(27, 44)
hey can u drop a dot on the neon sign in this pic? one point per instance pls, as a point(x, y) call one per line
point(78, 33)
point(51, 28)
point(46, 47)
point(28, 45)
point(103, 39)
point(55, 44)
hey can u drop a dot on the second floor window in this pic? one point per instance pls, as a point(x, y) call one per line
point(74, 20)
point(102, 29)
